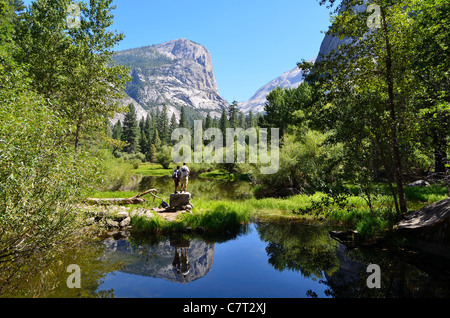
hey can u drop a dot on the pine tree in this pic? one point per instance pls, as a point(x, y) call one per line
point(173, 126)
point(183, 119)
point(117, 131)
point(233, 115)
point(148, 127)
point(241, 120)
point(208, 121)
point(152, 153)
point(223, 122)
point(157, 141)
point(143, 142)
point(250, 119)
point(165, 128)
point(131, 131)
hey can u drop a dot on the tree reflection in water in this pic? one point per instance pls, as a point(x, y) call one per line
point(308, 249)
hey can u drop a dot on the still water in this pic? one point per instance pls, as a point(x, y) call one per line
point(266, 260)
point(239, 267)
point(288, 260)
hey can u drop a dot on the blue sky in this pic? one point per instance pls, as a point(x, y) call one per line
point(251, 41)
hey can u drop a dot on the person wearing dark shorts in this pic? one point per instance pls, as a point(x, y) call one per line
point(176, 178)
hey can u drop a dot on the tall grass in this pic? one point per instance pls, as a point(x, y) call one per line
point(220, 219)
point(117, 174)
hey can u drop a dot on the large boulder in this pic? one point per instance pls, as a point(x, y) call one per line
point(429, 227)
point(418, 183)
point(179, 201)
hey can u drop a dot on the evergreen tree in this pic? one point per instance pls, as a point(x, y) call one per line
point(165, 126)
point(241, 120)
point(157, 141)
point(233, 113)
point(183, 123)
point(153, 125)
point(173, 126)
point(152, 153)
point(250, 119)
point(158, 122)
point(117, 131)
point(148, 127)
point(131, 131)
point(208, 121)
point(143, 142)
point(223, 123)
point(215, 122)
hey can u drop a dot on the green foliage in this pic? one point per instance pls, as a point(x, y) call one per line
point(164, 156)
point(40, 178)
point(305, 163)
point(118, 173)
point(366, 92)
point(220, 219)
point(285, 106)
point(71, 67)
point(130, 130)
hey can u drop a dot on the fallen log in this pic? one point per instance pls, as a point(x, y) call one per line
point(123, 201)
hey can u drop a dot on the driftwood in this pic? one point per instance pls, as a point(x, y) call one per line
point(123, 201)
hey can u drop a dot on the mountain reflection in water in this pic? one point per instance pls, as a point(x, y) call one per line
point(174, 260)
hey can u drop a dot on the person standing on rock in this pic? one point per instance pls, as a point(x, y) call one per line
point(176, 178)
point(184, 177)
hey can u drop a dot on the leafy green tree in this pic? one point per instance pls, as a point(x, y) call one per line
point(282, 103)
point(40, 177)
point(365, 87)
point(72, 66)
point(164, 156)
point(430, 64)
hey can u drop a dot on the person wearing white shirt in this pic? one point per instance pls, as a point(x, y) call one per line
point(184, 177)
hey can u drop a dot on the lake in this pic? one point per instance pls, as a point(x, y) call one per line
point(276, 260)
point(283, 259)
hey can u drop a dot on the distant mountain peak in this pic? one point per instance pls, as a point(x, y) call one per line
point(289, 79)
point(175, 73)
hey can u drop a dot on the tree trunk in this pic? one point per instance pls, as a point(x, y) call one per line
point(123, 201)
point(394, 140)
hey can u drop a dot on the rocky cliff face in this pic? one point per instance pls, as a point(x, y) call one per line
point(175, 73)
point(331, 43)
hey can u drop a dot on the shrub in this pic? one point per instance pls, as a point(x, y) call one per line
point(164, 157)
point(40, 177)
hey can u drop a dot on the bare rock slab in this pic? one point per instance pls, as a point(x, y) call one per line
point(433, 214)
point(429, 227)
